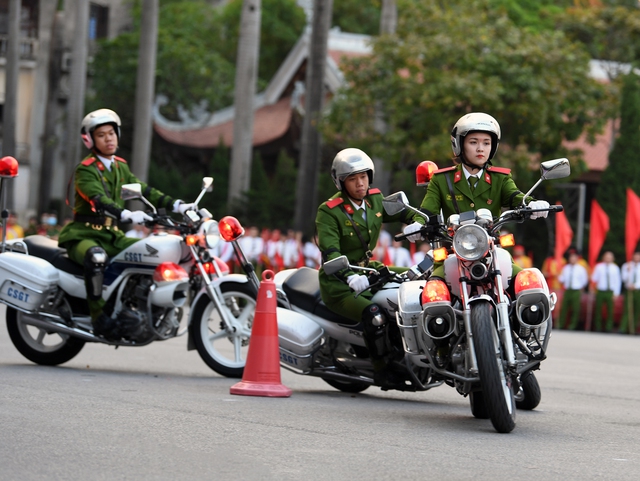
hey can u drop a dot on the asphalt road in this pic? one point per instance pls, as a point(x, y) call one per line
point(158, 412)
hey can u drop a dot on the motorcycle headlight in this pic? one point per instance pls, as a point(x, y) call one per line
point(209, 234)
point(471, 242)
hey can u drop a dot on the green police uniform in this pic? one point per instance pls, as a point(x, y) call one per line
point(495, 189)
point(97, 190)
point(337, 236)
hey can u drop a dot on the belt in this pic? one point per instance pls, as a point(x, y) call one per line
point(97, 222)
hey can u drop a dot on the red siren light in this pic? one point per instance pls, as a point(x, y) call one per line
point(424, 172)
point(230, 228)
point(8, 167)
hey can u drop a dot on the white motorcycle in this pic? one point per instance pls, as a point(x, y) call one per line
point(471, 330)
point(467, 333)
point(147, 287)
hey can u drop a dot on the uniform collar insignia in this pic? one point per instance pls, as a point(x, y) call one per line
point(487, 177)
point(458, 176)
point(349, 209)
point(100, 166)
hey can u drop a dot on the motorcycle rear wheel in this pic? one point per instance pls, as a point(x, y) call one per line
point(223, 351)
point(495, 381)
point(531, 393)
point(344, 386)
point(43, 347)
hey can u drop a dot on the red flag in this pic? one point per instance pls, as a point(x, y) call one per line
point(598, 231)
point(632, 223)
point(564, 235)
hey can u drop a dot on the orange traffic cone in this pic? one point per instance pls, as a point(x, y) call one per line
point(261, 375)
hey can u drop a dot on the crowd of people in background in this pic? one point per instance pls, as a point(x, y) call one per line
point(605, 298)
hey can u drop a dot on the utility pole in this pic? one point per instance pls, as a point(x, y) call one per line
point(145, 89)
point(311, 144)
point(245, 90)
point(388, 17)
point(10, 112)
point(78, 83)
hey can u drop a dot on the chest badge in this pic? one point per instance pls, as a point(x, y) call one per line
point(489, 201)
point(378, 214)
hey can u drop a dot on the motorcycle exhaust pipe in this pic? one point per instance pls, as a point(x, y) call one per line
point(57, 327)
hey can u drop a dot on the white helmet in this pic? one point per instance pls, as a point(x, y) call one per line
point(95, 119)
point(351, 161)
point(475, 122)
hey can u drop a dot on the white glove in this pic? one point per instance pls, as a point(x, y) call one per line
point(180, 207)
point(136, 217)
point(358, 283)
point(538, 204)
point(410, 229)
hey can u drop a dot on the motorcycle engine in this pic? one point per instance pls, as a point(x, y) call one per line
point(133, 319)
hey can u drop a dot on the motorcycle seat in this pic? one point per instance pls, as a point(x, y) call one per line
point(48, 249)
point(303, 291)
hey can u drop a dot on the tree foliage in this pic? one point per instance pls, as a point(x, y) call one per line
point(624, 169)
point(357, 16)
point(445, 62)
point(608, 32)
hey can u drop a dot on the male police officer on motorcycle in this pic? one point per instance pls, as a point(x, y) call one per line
point(93, 235)
point(349, 224)
point(473, 183)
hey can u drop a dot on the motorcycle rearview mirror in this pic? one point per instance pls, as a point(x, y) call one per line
point(134, 191)
point(395, 203)
point(131, 191)
point(335, 265)
point(207, 186)
point(207, 183)
point(555, 169)
point(551, 169)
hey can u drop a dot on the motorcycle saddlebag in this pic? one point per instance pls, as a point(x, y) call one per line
point(25, 281)
point(299, 338)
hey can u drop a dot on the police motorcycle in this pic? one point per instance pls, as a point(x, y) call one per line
point(148, 287)
point(468, 331)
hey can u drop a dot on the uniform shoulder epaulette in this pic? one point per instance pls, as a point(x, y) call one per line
point(375, 191)
point(120, 159)
point(499, 170)
point(334, 202)
point(88, 161)
point(445, 169)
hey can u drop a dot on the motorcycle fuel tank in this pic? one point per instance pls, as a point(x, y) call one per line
point(153, 250)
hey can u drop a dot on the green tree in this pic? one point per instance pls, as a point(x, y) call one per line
point(282, 24)
point(470, 58)
point(623, 170)
point(357, 16)
point(609, 33)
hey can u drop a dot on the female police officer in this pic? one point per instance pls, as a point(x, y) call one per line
point(473, 183)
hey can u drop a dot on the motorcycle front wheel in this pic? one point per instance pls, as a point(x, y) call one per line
point(495, 381)
point(39, 345)
point(222, 350)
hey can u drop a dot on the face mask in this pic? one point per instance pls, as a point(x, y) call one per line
point(52, 221)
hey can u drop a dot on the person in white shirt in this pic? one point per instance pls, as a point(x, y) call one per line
point(399, 255)
point(290, 250)
point(252, 245)
point(607, 279)
point(311, 252)
point(424, 248)
point(631, 281)
point(574, 278)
